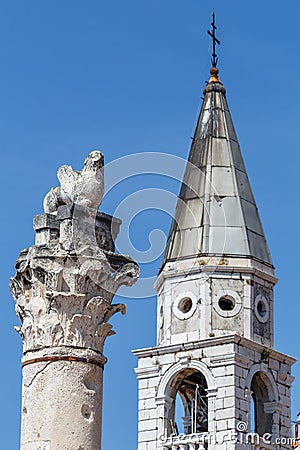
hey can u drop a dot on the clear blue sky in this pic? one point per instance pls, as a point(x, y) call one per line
point(127, 77)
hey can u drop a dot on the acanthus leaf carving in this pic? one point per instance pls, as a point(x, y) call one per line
point(66, 300)
point(70, 321)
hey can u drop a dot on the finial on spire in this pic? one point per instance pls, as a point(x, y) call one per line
point(212, 33)
point(214, 60)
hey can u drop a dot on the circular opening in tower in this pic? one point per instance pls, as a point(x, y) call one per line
point(226, 303)
point(185, 305)
point(261, 309)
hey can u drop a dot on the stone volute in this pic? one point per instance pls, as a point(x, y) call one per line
point(63, 288)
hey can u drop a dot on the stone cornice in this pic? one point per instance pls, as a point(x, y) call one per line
point(209, 266)
point(147, 372)
point(212, 342)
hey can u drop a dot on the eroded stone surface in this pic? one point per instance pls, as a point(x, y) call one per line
point(63, 288)
point(67, 411)
point(64, 298)
point(83, 188)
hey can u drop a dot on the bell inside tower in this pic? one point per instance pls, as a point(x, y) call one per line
point(192, 394)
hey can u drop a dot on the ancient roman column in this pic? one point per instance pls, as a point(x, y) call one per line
point(63, 288)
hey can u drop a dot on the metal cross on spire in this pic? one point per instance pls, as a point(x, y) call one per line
point(212, 33)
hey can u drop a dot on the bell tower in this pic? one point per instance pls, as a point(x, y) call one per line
point(214, 380)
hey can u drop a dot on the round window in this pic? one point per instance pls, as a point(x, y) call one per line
point(262, 308)
point(185, 305)
point(227, 303)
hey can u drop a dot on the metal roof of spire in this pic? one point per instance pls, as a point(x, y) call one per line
point(216, 213)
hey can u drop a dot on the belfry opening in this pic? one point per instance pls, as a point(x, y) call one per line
point(262, 397)
point(192, 395)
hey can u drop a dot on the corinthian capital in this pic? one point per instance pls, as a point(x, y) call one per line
point(65, 283)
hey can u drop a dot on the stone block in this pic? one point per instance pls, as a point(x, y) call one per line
point(145, 362)
point(221, 425)
point(229, 402)
point(241, 383)
point(231, 424)
point(143, 383)
point(229, 391)
point(149, 403)
point(45, 221)
point(153, 382)
point(225, 381)
point(152, 413)
point(141, 405)
point(219, 371)
point(239, 393)
point(47, 229)
point(147, 436)
point(167, 359)
point(221, 392)
point(230, 370)
point(257, 357)
point(219, 403)
point(244, 405)
point(285, 401)
point(143, 446)
point(274, 365)
point(147, 425)
point(281, 389)
point(147, 393)
point(144, 414)
point(246, 352)
point(225, 413)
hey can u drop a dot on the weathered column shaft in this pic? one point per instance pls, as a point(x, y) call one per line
point(61, 404)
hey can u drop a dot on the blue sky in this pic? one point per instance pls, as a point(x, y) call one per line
point(127, 77)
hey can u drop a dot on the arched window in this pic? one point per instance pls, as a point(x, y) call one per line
point(189, 413)
point(262, 395)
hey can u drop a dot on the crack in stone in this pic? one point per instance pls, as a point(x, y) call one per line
point(36, 374)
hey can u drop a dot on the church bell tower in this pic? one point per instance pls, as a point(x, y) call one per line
point(214, 380)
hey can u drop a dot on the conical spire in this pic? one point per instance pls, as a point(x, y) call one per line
point(216, 212)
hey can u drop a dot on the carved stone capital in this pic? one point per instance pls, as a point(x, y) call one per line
point(63, 295)
point(64, 298)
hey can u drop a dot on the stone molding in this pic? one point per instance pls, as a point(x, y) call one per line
point(255, 368)
point(147, 372)
point(272, 407)
point(212, 342)
point(245, 266)
point(178, 367)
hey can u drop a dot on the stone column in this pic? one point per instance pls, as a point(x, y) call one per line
point(63, 288)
